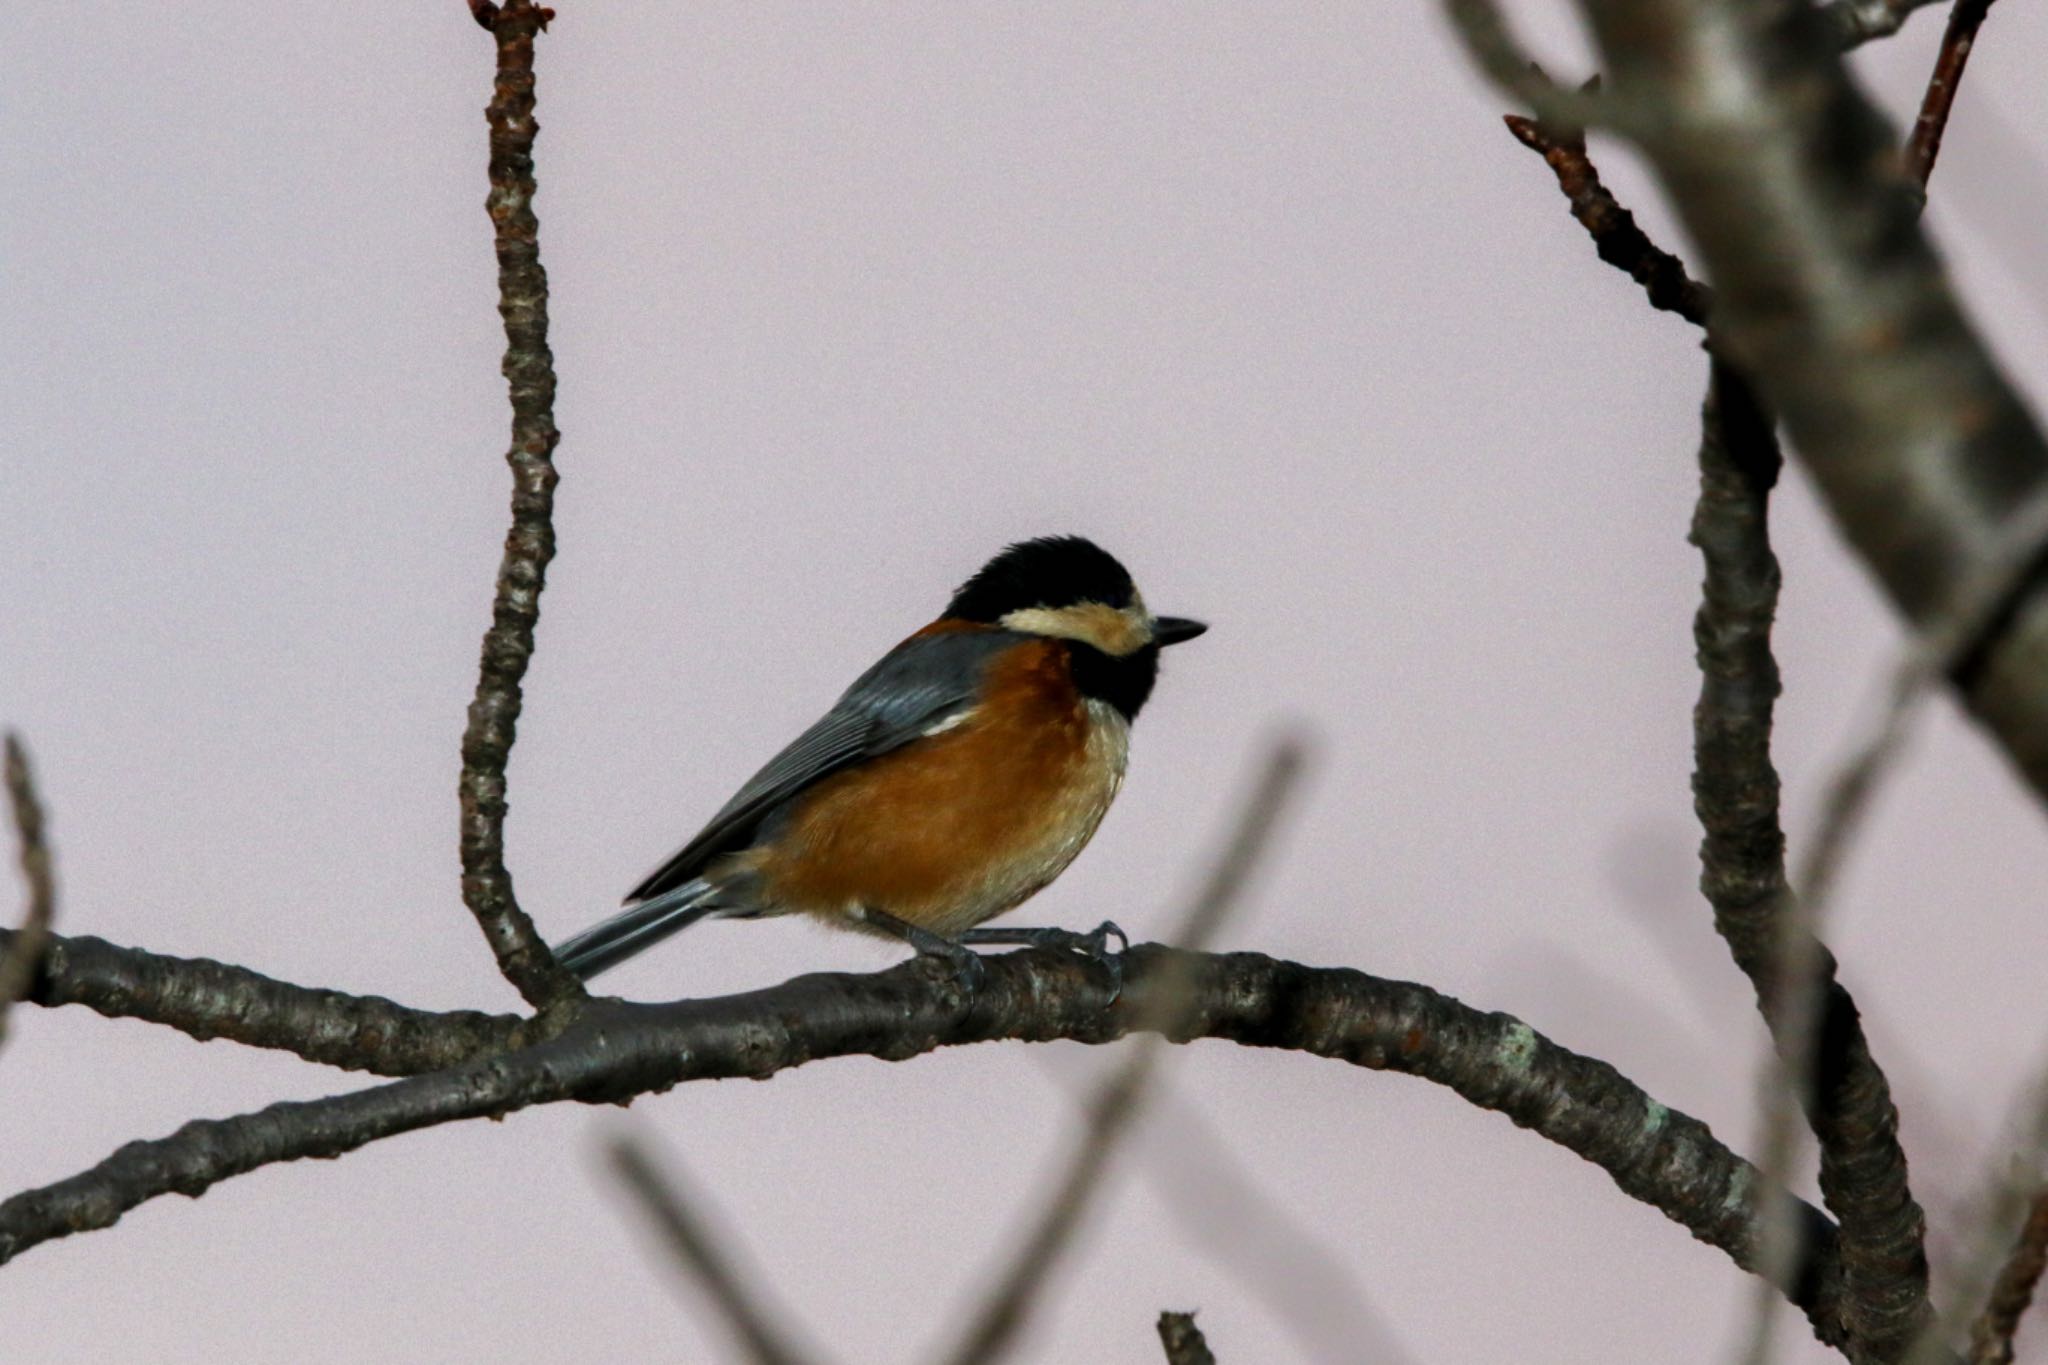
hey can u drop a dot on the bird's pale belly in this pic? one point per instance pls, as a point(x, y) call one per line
point(954, 829)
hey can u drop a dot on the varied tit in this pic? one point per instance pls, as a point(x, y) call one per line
point(951, 782)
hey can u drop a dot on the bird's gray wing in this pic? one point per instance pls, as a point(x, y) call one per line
point(920, 683)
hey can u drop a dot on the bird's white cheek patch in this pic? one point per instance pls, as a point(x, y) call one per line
point(1115, 632)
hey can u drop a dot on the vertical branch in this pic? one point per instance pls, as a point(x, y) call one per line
point(508, 645)
point(1735, 784)
point(1827, 293)
point(1827, 1064)
point(1742, 860)
point(23, 954)
point(1815, 1027)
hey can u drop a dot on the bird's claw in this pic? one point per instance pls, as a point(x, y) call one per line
point(1093, 945)
point(1113, 964)
point(1096, 941)
point(969, 972)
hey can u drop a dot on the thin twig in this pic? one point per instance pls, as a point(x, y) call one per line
point(994, 1329)
point(1616, 236)
point(1923, 144)
point(1183, 1341)
point(23, 953)
point(1991, 1339)
point(695, 1249)
point(508, 645)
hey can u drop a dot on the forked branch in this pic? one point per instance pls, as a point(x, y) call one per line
point(615, 1051)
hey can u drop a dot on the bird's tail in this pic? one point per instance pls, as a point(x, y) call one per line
point(607, 943)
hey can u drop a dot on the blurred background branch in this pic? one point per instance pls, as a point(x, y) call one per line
point(993, 1329)
point(21, 953)
point(1991, 1338)
point(1184, 1342)
point(700, 1253)
point(1855, 22)
point(1829, 297)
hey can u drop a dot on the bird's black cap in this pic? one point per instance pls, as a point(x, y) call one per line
point(1051, 571)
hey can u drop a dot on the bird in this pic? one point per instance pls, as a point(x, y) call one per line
point(954, 780)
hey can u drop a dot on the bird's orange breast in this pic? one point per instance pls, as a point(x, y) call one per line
point(967, 821)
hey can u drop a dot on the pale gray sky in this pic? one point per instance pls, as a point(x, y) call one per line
point(846, 296)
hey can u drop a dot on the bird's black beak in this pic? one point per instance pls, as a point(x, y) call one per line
point(1172, 630)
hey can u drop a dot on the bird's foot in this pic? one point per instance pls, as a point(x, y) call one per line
point(1093, 945)
point(968, 970)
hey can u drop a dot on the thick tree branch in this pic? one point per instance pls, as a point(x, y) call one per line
point(21, 953)
point(1183, 1341)
point(206, 999)
point(615, 1050)
point(1924, 143)
point(1829, 296)
point(530, 544)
